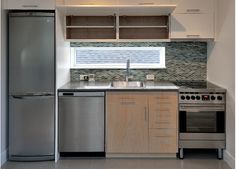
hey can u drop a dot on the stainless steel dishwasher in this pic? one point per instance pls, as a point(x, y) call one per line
point(81, 124)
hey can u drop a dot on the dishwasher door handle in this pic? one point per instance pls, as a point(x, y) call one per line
point(82, 94)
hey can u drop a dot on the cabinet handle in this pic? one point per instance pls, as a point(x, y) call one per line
point(145, 113)
point(114, 17)
point(127, 103)
point(193, 36)
point(193, 10)
point(146, 3)
point(30, 6)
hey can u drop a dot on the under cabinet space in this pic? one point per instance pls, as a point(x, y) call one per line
point(90, 27)
point(144, 33)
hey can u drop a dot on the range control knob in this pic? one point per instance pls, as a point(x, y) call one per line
point(188, 97)
point(213, 97)
point(198, 97)
point(219, 98)
point(193, 97)
point(182, 97)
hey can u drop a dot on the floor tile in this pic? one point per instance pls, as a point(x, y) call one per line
point(121, 164)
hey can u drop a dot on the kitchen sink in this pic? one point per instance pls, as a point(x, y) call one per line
point(125, 84)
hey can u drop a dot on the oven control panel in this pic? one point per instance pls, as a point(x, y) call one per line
point(201, 98)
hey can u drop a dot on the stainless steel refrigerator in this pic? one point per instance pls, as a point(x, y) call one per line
point(31, 85)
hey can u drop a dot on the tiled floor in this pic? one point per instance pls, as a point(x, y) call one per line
point(121, 164)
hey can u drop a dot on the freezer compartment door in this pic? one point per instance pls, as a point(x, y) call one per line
point(31, 126)
point(81, 124)
point(31, 54)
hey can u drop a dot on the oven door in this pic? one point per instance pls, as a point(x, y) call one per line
point(200, 118)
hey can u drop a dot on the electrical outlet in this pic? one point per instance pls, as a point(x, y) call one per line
point(150, 77)
point(91, 77)
point(83, 77)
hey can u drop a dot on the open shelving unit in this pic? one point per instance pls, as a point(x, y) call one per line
point(90, 27)
point(143, 27)
point(117, 28)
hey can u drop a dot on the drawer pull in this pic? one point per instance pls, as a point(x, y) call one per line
point(164, 136)
point(30, 6)
point(193, 10)
point(146, 3)
point(127, 103)
point(193, 36)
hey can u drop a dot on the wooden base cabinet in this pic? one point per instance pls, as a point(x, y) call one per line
point(141, 122)
point(127, 123)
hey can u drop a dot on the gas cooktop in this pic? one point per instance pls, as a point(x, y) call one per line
point(198, 86)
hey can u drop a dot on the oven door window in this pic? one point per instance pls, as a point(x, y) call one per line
point(202, 122)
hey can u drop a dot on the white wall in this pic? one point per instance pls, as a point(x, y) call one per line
point(221, 68)
point(62, 65)
point(3, 86)
point(0, 81)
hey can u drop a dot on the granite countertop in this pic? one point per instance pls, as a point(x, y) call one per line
point(97, 85)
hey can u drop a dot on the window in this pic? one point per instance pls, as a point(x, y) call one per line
point(116, 57)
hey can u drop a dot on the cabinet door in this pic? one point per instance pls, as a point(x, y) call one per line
point(163, 110)
point(91, 2)
point(30, 4)
point(192, 26)
point(195, 6)
point(127, 122)
point(147, 2)
point(163, 141)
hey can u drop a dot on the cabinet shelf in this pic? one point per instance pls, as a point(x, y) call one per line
point(78, 27)
point(143, 26)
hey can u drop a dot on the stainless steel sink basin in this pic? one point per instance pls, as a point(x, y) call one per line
point(125, 84)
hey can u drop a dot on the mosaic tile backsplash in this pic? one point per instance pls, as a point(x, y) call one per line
point(184, 61)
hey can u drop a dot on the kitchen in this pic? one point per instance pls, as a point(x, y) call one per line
point(200, 48)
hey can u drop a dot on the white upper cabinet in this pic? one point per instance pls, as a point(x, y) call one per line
point(30, 4)
point(147, 2)
point(118, 2)
point(193, 19)
point(192, 26)
point(90, 2)
point(195, 6)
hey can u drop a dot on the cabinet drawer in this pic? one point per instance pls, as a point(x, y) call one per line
point(163, 110)
point(30, 4)
point(195, 6)
point(163, 141)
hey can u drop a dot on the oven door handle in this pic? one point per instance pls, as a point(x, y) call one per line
point(208, 108)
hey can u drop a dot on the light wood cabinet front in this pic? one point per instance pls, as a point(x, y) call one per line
point(163, 110)
point(163, 141)
point(141, 122)
point(127, 122)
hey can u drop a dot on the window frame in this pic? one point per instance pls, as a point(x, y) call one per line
point(161, 65)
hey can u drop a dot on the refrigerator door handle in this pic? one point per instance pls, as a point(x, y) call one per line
point(17, 97)
point(33, 96)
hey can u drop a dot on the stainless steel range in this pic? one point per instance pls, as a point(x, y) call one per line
point(201, 116)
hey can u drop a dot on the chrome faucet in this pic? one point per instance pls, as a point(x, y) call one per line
point(127, 70)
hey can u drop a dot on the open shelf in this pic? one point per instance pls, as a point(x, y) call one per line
point(143, 21)
point(112, 27)
point(90, 27)
point(90, 33)
point(143, 27)
point(143, 33)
